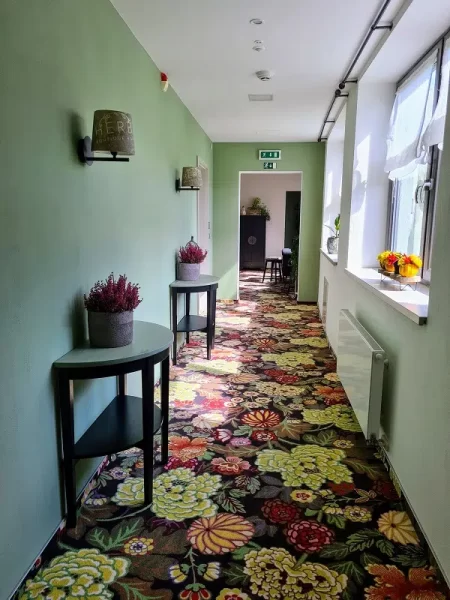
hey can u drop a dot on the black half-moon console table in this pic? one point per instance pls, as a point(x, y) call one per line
point(205, 283)
point(127, 421)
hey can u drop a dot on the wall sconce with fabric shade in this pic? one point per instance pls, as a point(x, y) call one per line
point(191, 180)
point(112, 132)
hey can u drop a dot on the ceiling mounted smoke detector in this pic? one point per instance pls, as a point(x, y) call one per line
point(264, 75)
point(256, 21)
point(259, 48)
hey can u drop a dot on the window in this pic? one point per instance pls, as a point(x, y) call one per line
point(414, 144)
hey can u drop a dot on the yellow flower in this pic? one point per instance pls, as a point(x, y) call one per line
point(397, 527)
point(216, 367)
point(212, 571)
point(220, 534)
point(274, 576)
point(333, 510)
point(138, 546)
point(303, 496)
point(314, 342)
point(339, 415)
point(332, 377)
point(232, 594)
point(357, 514)
point(343, 444)
point(176, 574)
point(289, 359)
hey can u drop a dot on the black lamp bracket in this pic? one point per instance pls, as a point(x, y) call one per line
point(179, 188)
point(87, 157)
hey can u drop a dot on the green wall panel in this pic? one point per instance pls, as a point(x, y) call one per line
point(229, 160)
point(63, 226)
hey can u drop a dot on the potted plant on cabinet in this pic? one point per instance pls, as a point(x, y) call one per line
point(333, 240)
point(110, 305)
point(190, 258)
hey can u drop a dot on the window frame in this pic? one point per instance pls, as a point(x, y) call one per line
point(433, 172)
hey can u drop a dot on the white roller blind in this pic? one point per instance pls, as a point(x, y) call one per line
point(411, 114)
point(434, 133)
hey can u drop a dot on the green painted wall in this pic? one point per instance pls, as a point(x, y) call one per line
point(229, 159)
point(63, 226)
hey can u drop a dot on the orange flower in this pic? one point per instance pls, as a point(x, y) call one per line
point(220, 534)
point(392, 583)
point(185, 449)
point(262, 419)
point(231, 465)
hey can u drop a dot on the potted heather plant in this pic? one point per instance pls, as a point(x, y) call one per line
point(110, 305)
point(190, 258)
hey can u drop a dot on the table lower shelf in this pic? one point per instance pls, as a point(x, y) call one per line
point(118, 428)
point(192, 323)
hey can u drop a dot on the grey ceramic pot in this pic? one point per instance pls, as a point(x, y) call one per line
point(333, 245)
point(110, 330)
point(188, 271)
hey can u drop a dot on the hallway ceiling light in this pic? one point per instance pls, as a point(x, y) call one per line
point(256, 21)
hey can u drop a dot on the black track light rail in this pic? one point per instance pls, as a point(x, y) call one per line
point(375, 26)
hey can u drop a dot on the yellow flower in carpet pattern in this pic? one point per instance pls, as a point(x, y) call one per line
point(339, 415)
point(233, 321)
point(138, 546)
point(243, 378)
point(180, 494)
point(220, 534)
point(130, 492)
point(176, 574)
point(358, 514)
point(343, 444)
point(332, 510)
point(274, 576)
point(289, 359)
point(180, 390)
point(208, 420)
point(232, 594)
point(397, 527)
point(216, 367)
point(212, 571)
point(308, 465)
point(302, 307)
point(287, 316)
point(76, 574)
point(303, 496)
point(314, 342)
point(278, 389)
point(332, 377)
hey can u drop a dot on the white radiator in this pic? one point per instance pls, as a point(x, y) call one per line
point(360, 365)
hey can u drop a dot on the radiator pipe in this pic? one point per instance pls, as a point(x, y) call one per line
point(375, 26)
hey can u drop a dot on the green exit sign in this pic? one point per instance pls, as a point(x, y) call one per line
point(270, 166)
point(270, 155)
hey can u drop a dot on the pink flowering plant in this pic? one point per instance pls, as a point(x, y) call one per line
point(113, 296)
point(192, 253)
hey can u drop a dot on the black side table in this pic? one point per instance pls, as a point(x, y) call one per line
point(127, 421)
point(205, 283)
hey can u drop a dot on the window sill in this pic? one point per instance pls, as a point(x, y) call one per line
point(333, 258)
point(410, 303)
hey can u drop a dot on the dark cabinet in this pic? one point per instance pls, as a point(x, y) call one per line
point(253, 242)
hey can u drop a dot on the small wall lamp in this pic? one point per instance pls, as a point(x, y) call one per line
point(191, 180)
point(112, 131)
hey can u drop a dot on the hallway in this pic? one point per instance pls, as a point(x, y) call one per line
point(270, 491)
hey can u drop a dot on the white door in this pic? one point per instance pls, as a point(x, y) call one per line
point(204, 229)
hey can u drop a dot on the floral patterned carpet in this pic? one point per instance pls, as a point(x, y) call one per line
point(270, 491)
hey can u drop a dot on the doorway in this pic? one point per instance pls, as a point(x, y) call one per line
point(204, 228)
point(281, 193)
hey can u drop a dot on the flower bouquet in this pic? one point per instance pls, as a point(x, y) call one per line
point(110, 305)
point(409, 265)
point(389, 260)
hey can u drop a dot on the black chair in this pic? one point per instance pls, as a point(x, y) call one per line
point(286, 267)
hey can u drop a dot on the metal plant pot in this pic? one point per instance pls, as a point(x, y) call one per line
point(333, 245)
point(188, 271)
point(110, 330)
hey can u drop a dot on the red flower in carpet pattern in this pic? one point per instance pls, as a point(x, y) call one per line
point(392, 584)
point(201, 594)
point(222, 435)
point(330, 401)
point(386, 489)
point(214, 403)
point(279, 325)
point(261, 418)
point(342, 489)
point(231, 465)
point(261, 435)
point(274, 372)
point(309, 536)
point(174, 463)
point(277, 511)
point(287, 379)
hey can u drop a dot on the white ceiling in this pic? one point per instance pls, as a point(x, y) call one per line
point(205, 47)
